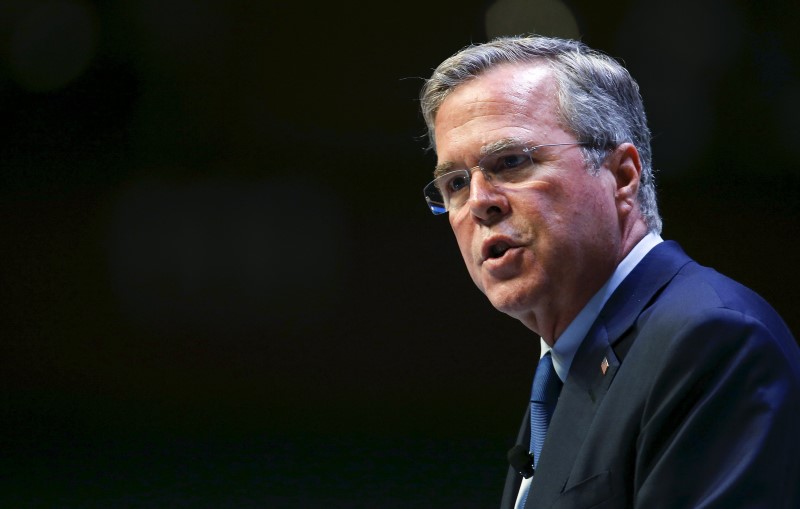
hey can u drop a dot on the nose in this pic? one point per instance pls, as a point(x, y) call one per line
point(486, 201)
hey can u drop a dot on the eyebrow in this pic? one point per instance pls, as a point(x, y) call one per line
point(490, 148)
point(501, 145)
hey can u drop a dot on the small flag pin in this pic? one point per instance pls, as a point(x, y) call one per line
point(604, 365)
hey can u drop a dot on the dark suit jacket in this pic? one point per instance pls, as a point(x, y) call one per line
point(699, 407)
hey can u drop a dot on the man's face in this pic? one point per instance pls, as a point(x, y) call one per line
point(561, 226)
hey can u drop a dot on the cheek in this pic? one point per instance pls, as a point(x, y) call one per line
point(582, 204)
point(464, 239)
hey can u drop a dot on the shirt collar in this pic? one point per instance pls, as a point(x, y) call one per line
point(569, 341)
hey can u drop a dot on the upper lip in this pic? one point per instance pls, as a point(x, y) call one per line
point(490, 246)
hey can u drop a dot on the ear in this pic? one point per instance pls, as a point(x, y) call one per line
point(626, 167)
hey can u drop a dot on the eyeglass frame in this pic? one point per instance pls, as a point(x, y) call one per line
point(440, 208)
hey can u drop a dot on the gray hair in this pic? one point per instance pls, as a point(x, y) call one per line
point(598, 100)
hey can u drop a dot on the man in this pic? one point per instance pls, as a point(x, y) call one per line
point(676, 387)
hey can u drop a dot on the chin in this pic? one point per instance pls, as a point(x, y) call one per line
point(515, 302)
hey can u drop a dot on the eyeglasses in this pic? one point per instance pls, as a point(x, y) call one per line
point(509, 166)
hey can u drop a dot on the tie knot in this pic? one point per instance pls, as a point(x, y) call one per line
point(546, 384)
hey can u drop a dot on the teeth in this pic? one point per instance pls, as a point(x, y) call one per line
point(497, 250)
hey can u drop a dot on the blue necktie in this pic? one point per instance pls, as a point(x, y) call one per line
point(544, 395)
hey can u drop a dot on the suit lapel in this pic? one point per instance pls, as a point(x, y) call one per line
point(594, 367)
point(582, 393)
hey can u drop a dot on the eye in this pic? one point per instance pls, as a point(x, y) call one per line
point(505, 162)
point(458, 183)
point(454, 183)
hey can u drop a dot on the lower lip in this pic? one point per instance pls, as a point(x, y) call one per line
point(506, 265)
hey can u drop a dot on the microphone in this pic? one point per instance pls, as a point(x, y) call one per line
point(521, 460)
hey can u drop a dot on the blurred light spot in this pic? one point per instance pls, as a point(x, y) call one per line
point(222, 256)
point(543, 17)
point(52, 44)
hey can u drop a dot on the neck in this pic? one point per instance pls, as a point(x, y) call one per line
point(551, 321)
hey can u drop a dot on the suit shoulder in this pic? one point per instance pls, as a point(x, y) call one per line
point(698, 294)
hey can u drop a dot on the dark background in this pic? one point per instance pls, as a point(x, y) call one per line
point(221, 286)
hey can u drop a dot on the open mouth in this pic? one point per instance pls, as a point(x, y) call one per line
point(498, 250)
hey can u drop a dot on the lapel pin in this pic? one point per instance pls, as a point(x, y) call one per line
point(604, 365)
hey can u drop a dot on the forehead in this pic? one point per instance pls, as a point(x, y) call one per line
point(515, 101)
